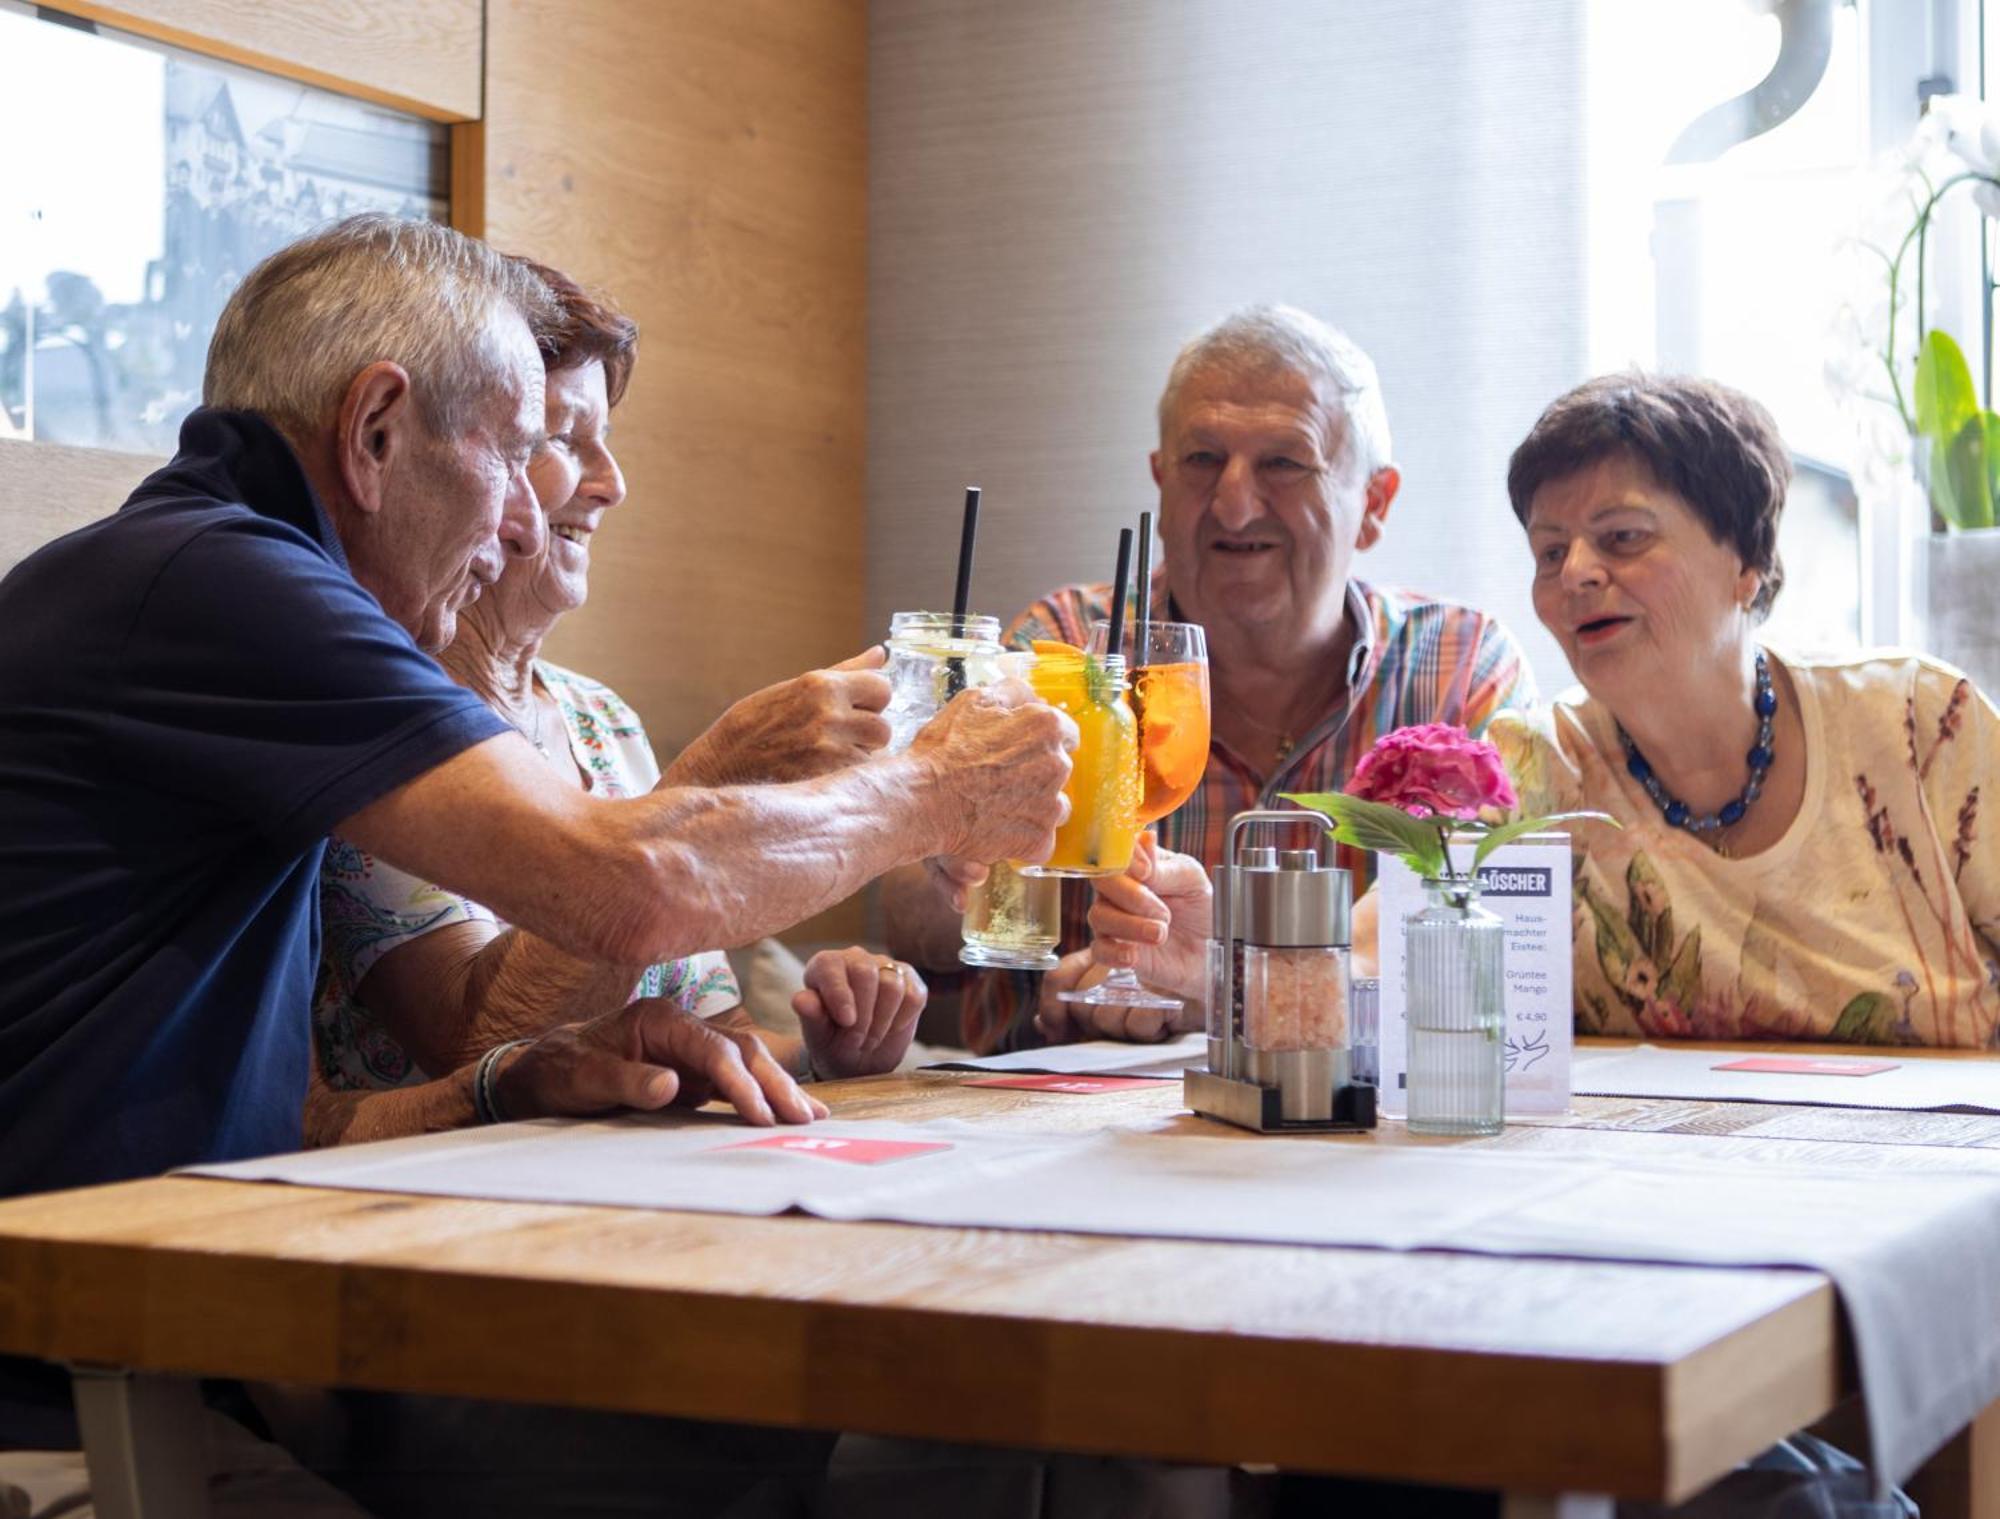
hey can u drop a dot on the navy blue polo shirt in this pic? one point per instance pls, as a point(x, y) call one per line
point(193, 691)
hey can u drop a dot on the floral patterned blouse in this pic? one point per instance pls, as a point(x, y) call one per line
point(368, 908)
point(1874, 920)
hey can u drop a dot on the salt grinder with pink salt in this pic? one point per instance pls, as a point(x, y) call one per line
point(1280, 1055)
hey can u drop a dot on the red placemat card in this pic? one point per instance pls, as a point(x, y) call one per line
point(855, 1152)
point(1808, 1065)
point(1080, 1086)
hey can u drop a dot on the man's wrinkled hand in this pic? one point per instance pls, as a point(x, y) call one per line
point(812, 724)
point(999, 756)
point(858, 1011)
point(1062, 1022)
point(954, 877)
point(645, 1056)
point(1154, 920)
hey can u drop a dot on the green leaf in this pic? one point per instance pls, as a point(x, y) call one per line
point(1380, 827)
point(1944, 395)
point(1990, 427)
point(1318, 801)
point(1963, 475)
point(1506, 833)
point(1869, 1019)
point(1098, 687)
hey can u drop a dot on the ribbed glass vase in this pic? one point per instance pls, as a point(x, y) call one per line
point(1453, 958)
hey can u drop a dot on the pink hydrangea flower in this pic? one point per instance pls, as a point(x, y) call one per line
point(1434, 769)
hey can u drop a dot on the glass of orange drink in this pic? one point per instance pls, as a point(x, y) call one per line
point(1170, 699)
point(1104, 786)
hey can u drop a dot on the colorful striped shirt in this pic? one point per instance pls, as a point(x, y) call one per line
point(1415, 660)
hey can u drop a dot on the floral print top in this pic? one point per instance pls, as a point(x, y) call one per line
point(368, 907)
point(1874, 920)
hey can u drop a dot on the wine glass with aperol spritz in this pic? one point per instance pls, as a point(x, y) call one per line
point(1170, 699)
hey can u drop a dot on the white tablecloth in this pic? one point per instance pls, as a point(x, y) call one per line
point(1913, 1250)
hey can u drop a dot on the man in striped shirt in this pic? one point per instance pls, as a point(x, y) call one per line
point(1273, 471)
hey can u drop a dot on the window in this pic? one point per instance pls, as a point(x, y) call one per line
point(1712, 243)
point(141, 184)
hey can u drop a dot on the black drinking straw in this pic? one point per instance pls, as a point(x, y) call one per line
point(961, 596)
point(970, 531)
point(1120, 584)
point(1143, 597)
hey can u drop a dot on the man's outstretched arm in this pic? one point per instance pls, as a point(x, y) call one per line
point(685, 869)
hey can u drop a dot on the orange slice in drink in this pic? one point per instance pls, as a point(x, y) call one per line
point(1061, 674)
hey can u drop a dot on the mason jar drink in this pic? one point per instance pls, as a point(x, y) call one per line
point(932, 657)
point(1105, 784)
point(1012, 920)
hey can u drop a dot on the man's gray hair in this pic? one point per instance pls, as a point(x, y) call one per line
point(317, 312)
point(1263, 340)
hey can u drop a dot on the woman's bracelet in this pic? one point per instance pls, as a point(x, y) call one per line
point(485, 1103)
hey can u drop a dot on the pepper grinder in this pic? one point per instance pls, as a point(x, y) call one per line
point(1279, 1042)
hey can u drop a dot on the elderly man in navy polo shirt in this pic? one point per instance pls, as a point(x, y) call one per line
point(197, 689)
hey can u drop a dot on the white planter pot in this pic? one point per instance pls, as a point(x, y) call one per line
point(1962, 581)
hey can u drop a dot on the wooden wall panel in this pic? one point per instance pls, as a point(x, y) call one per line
point(417, 55)
point(705, 165)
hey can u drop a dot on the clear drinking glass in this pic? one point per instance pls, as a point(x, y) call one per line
point(1453, 954)
point(1009, 920)
point(932, 657)
point(1171, 701)
point(1366, 1004)
point(1013, 921)
point(1223, 1020)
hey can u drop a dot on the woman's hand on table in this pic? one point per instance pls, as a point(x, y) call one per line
point(812, 724)
point(857, 1012)
point(645, 1056)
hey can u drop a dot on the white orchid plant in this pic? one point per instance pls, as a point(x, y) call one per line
point(1911, 380)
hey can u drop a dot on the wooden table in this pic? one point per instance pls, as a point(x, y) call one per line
point(1560, 1382)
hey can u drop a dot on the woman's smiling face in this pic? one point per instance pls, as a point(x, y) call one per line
point(577, 481)
point(1631, 582)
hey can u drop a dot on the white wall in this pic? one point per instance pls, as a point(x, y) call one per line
point(1062, 190)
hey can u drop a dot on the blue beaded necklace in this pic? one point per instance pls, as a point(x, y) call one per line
point(1677, 812)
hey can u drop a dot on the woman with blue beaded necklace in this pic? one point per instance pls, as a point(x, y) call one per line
point(1802, 855)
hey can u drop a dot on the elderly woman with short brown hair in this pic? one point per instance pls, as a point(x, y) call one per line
point(1800, 856)
point(420, 980)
